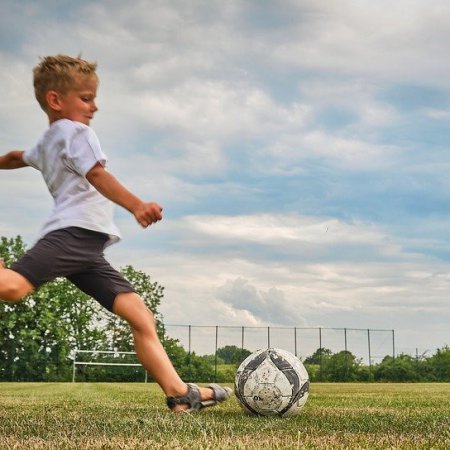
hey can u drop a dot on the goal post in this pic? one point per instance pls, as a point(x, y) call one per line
point(77, 362)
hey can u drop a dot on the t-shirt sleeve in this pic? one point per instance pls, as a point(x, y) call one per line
point(85, 151)
point(31, 157)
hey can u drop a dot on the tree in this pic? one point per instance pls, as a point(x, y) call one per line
point(230, 354)
point(440, 363)
point(400, 369)
point(39, 333)
point(342, 366)
point(314, 363)
point(318, 356)
point(73, 320)
point(12, 323)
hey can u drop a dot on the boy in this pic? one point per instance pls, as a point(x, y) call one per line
point(81, 224)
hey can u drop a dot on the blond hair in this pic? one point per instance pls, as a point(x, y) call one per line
point(59, 73)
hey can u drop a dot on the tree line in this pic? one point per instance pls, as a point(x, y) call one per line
point(343, 366)
point(38, 337)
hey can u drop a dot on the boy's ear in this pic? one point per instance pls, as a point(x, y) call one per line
point(53, 99)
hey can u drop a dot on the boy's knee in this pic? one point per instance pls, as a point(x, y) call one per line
point(13, 287)
point(10, 294)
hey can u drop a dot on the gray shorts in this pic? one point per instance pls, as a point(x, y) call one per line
point(76, 254)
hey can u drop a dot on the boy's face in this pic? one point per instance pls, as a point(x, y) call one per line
point(78, 104)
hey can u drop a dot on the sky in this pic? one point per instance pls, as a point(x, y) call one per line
point(300, 149)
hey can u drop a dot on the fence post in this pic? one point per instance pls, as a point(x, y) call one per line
point(242, 338)
point(320, 354)
point(268, 337)
point(215, 358)
point(368, 346)
point(393, 350)
point(393, 345)
point(189, 353)
point(295, 341)
point(189, 338)
point(346, 354)
point(345, 339)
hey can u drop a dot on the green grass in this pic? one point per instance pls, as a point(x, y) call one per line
point(134, 416)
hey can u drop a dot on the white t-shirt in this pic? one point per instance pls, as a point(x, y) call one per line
point(64, 155)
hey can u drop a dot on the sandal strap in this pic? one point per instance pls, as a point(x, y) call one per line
point(192, 398)
point(220, 394)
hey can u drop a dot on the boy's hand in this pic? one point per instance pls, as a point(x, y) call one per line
point(148, 213)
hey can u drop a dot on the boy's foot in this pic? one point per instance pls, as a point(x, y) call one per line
point(198, 398)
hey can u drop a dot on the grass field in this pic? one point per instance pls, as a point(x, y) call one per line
point(134, 416)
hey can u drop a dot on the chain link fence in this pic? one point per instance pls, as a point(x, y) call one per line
point(368, 345)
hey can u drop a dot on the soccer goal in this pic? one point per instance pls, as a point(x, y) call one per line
point(93, 360)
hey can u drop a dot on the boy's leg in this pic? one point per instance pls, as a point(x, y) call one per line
point(13, 286)
point(149, 349)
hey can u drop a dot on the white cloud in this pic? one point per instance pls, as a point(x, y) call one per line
point(381, 40)
point(290, 154)
point(439, 114)
point(286, 234)
point(356, 96)
point(265, 306)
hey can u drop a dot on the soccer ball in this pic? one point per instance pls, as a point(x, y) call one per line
point(272, 382)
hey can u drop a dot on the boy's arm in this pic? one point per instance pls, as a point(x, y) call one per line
point(12, 160)
point(111, 188)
